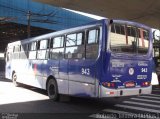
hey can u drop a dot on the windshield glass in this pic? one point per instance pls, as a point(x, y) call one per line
point(129, 39)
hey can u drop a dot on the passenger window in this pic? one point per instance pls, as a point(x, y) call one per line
point(71, 40)
point(43, 44)
point(42, 49)
point(57, 42)
point(76, 52)
point(75, 46)
point(92, 36)
point(24, 47)
point(79, 38)
point(32, 46)
point(32, 53)
point(24, 53)
point(57, 53)
point(57, 48)
point(92, 45)
point(41, 54)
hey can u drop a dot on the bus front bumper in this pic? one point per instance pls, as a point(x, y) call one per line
point(106, 92)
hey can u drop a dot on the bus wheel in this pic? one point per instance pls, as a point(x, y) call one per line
point(52, 90)
point(14, 80)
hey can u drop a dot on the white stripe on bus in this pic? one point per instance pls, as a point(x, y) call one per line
point(137, 108)
point(145, 100)
point(143, 104)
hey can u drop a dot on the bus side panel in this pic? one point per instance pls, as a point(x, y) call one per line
point(63, 85)
point(38, 72)
point(53, 68)
point(28, 71)
point(82, 77)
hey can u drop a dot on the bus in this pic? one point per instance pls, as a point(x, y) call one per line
point(105, 58)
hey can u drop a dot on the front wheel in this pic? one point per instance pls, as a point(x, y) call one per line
point(52, 90)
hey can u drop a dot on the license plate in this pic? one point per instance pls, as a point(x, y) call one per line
point(130, 84)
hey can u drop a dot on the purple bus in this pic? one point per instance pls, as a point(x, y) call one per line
point(106, 58)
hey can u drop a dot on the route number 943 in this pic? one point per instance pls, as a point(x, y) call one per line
point(144, 70)
point(85, 71)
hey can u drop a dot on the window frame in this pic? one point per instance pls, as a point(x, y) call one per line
point(52, 48)
point(82, 43)
point(39, 49)
point(30, 46)
point(87, 35)
point(137, 36)
point(51, 42)
point(97, 28)
point(78, 32)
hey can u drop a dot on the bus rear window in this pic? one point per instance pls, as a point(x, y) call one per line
point(129, 39)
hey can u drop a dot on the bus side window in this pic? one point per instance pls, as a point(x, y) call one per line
point(41, 49)
point(47, 48)
point(24, 51)
point(75, 46)
point(16, 51)
point(92, 44)
point(32, 50)
point(57, 48)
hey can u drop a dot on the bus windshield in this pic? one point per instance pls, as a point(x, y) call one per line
point(129, 39)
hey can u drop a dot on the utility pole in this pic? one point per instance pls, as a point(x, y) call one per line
point(29, 24)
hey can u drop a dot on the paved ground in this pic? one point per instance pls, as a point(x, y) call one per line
point(27, 102)
point(27, 99)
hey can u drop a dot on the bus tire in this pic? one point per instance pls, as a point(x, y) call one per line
point(52, 90)
point(14, 80)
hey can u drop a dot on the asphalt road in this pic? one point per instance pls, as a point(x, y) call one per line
point(27, 102)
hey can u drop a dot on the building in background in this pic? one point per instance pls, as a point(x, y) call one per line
point(20, 19)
